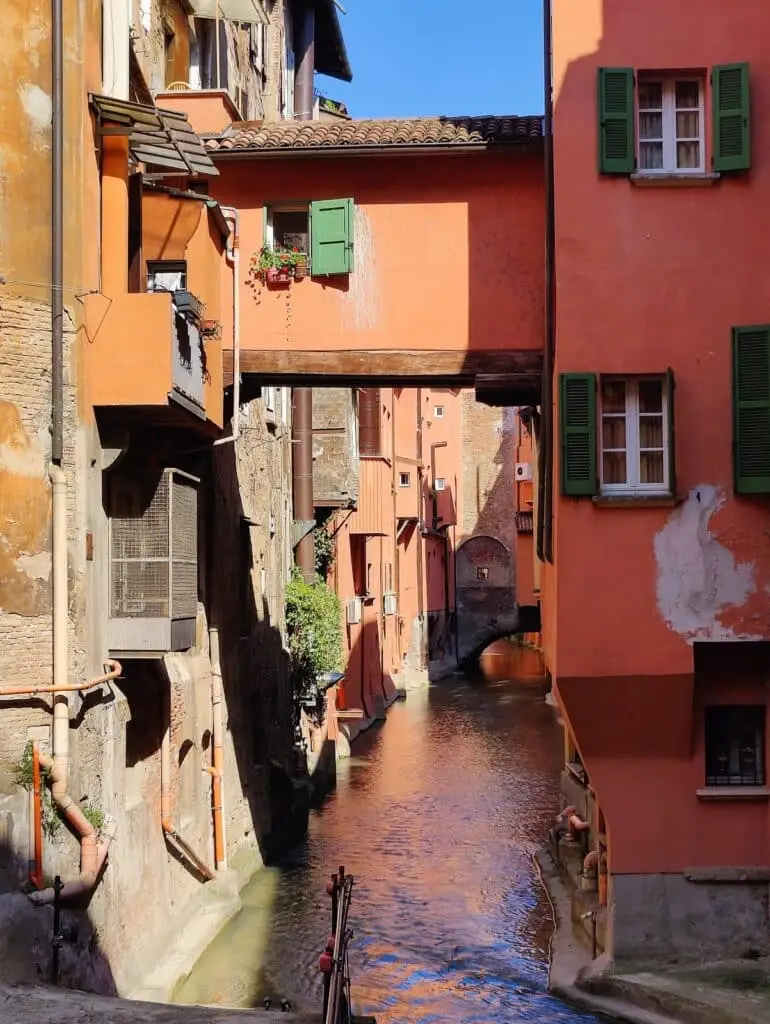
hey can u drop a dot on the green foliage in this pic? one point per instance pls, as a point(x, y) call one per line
point(94, 816)
point(314, 626)
point(23, 776)
point(324, 551)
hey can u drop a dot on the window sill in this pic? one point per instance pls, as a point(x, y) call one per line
point(636, 501)
point(697, 180)
point(733, 793)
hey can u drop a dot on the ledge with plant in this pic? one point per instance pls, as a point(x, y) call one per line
point(278, 266)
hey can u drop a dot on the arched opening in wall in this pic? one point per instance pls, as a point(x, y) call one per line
point(509, 658)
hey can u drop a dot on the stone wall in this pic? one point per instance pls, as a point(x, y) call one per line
point(488, 463)
point(335, 447)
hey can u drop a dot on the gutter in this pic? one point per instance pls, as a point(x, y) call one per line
point(414, 149)
point(545, 487)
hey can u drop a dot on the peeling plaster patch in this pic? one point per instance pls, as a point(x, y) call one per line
point(37, 106)
point(37, 567)
point(363, 305)
point(697, 577)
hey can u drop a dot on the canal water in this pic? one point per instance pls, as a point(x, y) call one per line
point(437, 817)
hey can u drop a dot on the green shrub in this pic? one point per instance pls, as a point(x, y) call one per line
point(314, 627)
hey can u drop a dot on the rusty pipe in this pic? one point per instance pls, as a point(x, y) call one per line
point(217, 768)
point(35, 823)
point(89, 684)
point(92, 852)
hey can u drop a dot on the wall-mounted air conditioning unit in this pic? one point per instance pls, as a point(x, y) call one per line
point(390, 604)
point(153, 579)
point(354, 611)
point(523, 471)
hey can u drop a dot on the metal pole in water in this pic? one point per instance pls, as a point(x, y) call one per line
point(56, 941)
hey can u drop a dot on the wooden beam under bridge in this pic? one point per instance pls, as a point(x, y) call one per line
point(516, 373)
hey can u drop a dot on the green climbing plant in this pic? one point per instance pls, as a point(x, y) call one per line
point(23, 775)
point(314, 628)
point(323, 542)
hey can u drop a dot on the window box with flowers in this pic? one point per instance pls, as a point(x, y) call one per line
point(278, 266)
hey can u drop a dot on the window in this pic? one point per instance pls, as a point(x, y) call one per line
point(625, 446)
point(735, 745)
point(268, 397)
point(439, 484)
point(671, 137)
point(166, 275)
point(634, 434)
point(438, 412)
point(403, 479)
point(656, 124)
point(323, 229)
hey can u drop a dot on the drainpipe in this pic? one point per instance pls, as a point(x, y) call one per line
point(233, 257)
point(169, 831)
point(546, 449)
point(302, 398)
point(217, 768)
point(92, 852)
point(420, 502)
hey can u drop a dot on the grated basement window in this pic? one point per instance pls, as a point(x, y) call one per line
point(735, 745)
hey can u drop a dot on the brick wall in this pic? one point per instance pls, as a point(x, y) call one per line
point(488, 461)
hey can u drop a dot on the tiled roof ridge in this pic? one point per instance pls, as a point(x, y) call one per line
point(394, 132)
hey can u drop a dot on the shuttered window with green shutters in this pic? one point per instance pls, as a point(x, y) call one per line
point(577, 420)
point(331, 237)
point(617, 147)
point(751, 409)
point(732, 117)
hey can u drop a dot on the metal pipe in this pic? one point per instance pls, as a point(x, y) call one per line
point(61, 708)
point(31, 691)
point(546, 451)
point(217, 767)
point(302, 398)
point(304, 59)
point(419, 538)
point(36, 824)
point(233, 255)
point(57, 233)
point(302, 475)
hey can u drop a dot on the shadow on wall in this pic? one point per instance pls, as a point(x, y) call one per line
point(26, 933)
point(366, 686)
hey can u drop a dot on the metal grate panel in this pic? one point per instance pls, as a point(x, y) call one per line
point(153, 546)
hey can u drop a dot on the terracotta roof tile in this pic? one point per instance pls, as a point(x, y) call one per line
point(272, 136)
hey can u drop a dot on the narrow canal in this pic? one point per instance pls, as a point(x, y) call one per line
point(437, 816)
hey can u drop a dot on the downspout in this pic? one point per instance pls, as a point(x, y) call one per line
point(233, 257)
point(218, 762)
point(546, 448)
point(92, 853)
point(419, 538)
point(302, 398)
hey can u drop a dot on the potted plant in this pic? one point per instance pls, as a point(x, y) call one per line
point(279, 266)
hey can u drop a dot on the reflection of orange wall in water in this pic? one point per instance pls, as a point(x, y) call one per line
point(504, 660)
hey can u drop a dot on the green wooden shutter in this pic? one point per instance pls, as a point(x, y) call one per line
point(577, 422)
point(617, 138)
point(331, 237)
point(732, 121)
point(670, 386)
point(751, 409)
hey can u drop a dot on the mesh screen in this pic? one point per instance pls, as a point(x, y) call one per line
point(153, 547)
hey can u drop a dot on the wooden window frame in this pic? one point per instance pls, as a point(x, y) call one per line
point(668, 111)
point(633, 485)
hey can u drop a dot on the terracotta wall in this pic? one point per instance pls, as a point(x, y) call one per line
point(437, 241)
point(651, 278)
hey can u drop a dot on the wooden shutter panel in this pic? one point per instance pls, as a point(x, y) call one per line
point(751, 409)
point(617, 138)
point(670, 386)
point(732, 121)
point(331, 237)
point(577, 421)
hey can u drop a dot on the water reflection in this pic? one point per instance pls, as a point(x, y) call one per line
point(437, 816)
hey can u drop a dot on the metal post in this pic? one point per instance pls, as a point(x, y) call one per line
point(56, 941)
point(57, 233)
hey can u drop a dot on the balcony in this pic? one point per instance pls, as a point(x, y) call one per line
point(146, 350)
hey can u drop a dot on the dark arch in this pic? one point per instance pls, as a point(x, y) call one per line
point(486, 602)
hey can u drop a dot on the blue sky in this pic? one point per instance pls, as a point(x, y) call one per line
point(421, 57)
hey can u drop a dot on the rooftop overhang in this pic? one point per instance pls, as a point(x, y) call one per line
point(156, 138)
point(331, 57)
point(249, 11)
point(516, 381)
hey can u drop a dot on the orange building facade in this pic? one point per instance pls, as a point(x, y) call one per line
point(656, 564)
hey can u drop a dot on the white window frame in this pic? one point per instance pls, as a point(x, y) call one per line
point(669, 112)
point(439, 484)
point(404, 479)
point(286, 208)
point(438, 412)
point(632, 484)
